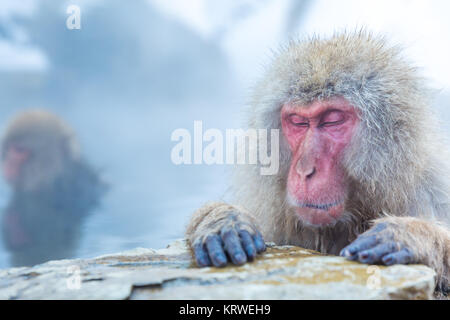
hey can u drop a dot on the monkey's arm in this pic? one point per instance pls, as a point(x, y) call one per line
point(402, 240)
point(219, 232)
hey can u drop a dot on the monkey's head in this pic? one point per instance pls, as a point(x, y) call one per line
point(36, 148)
point(352, 114)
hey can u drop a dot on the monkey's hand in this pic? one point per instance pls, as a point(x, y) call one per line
point(219, 233)
point(403, 240)
point(379, 245)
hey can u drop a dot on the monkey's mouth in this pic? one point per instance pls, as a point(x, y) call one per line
point(319, 206)
point(318, 214)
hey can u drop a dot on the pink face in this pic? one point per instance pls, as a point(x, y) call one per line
point(13, 161)
point(318, 134)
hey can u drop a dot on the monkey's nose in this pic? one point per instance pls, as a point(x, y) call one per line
point(305, 170)
point(311, 173)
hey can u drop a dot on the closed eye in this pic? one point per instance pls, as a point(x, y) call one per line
point(331, 123)
point(298, 121)
point(332, 118)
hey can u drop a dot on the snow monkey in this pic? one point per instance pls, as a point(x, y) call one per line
point(40, 153)
point(363, 173)
point(53, 189)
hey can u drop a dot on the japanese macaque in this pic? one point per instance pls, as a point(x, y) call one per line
point(363, 171)
point(53, 189)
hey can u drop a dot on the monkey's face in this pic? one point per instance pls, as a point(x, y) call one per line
point(33, 162)
point(318, 134)
point(14, 158)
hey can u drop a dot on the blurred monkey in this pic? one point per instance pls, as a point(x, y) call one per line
point(53, 189)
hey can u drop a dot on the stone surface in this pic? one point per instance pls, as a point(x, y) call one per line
point(283, 272)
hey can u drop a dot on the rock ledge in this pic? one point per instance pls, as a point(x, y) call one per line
point(282, 272)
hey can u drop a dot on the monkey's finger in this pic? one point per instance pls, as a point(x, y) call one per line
point(201, 255)
point(259, 242)
point(379, 227)
point(360, 244)
point(375, 254)
point(247, 243)
point(403, 256)
point(215, 250)
point(232, 245)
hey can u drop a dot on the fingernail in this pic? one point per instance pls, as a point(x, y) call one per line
point(240, 257)
point(220, 259)
point(345, 253)
point(352, 250)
